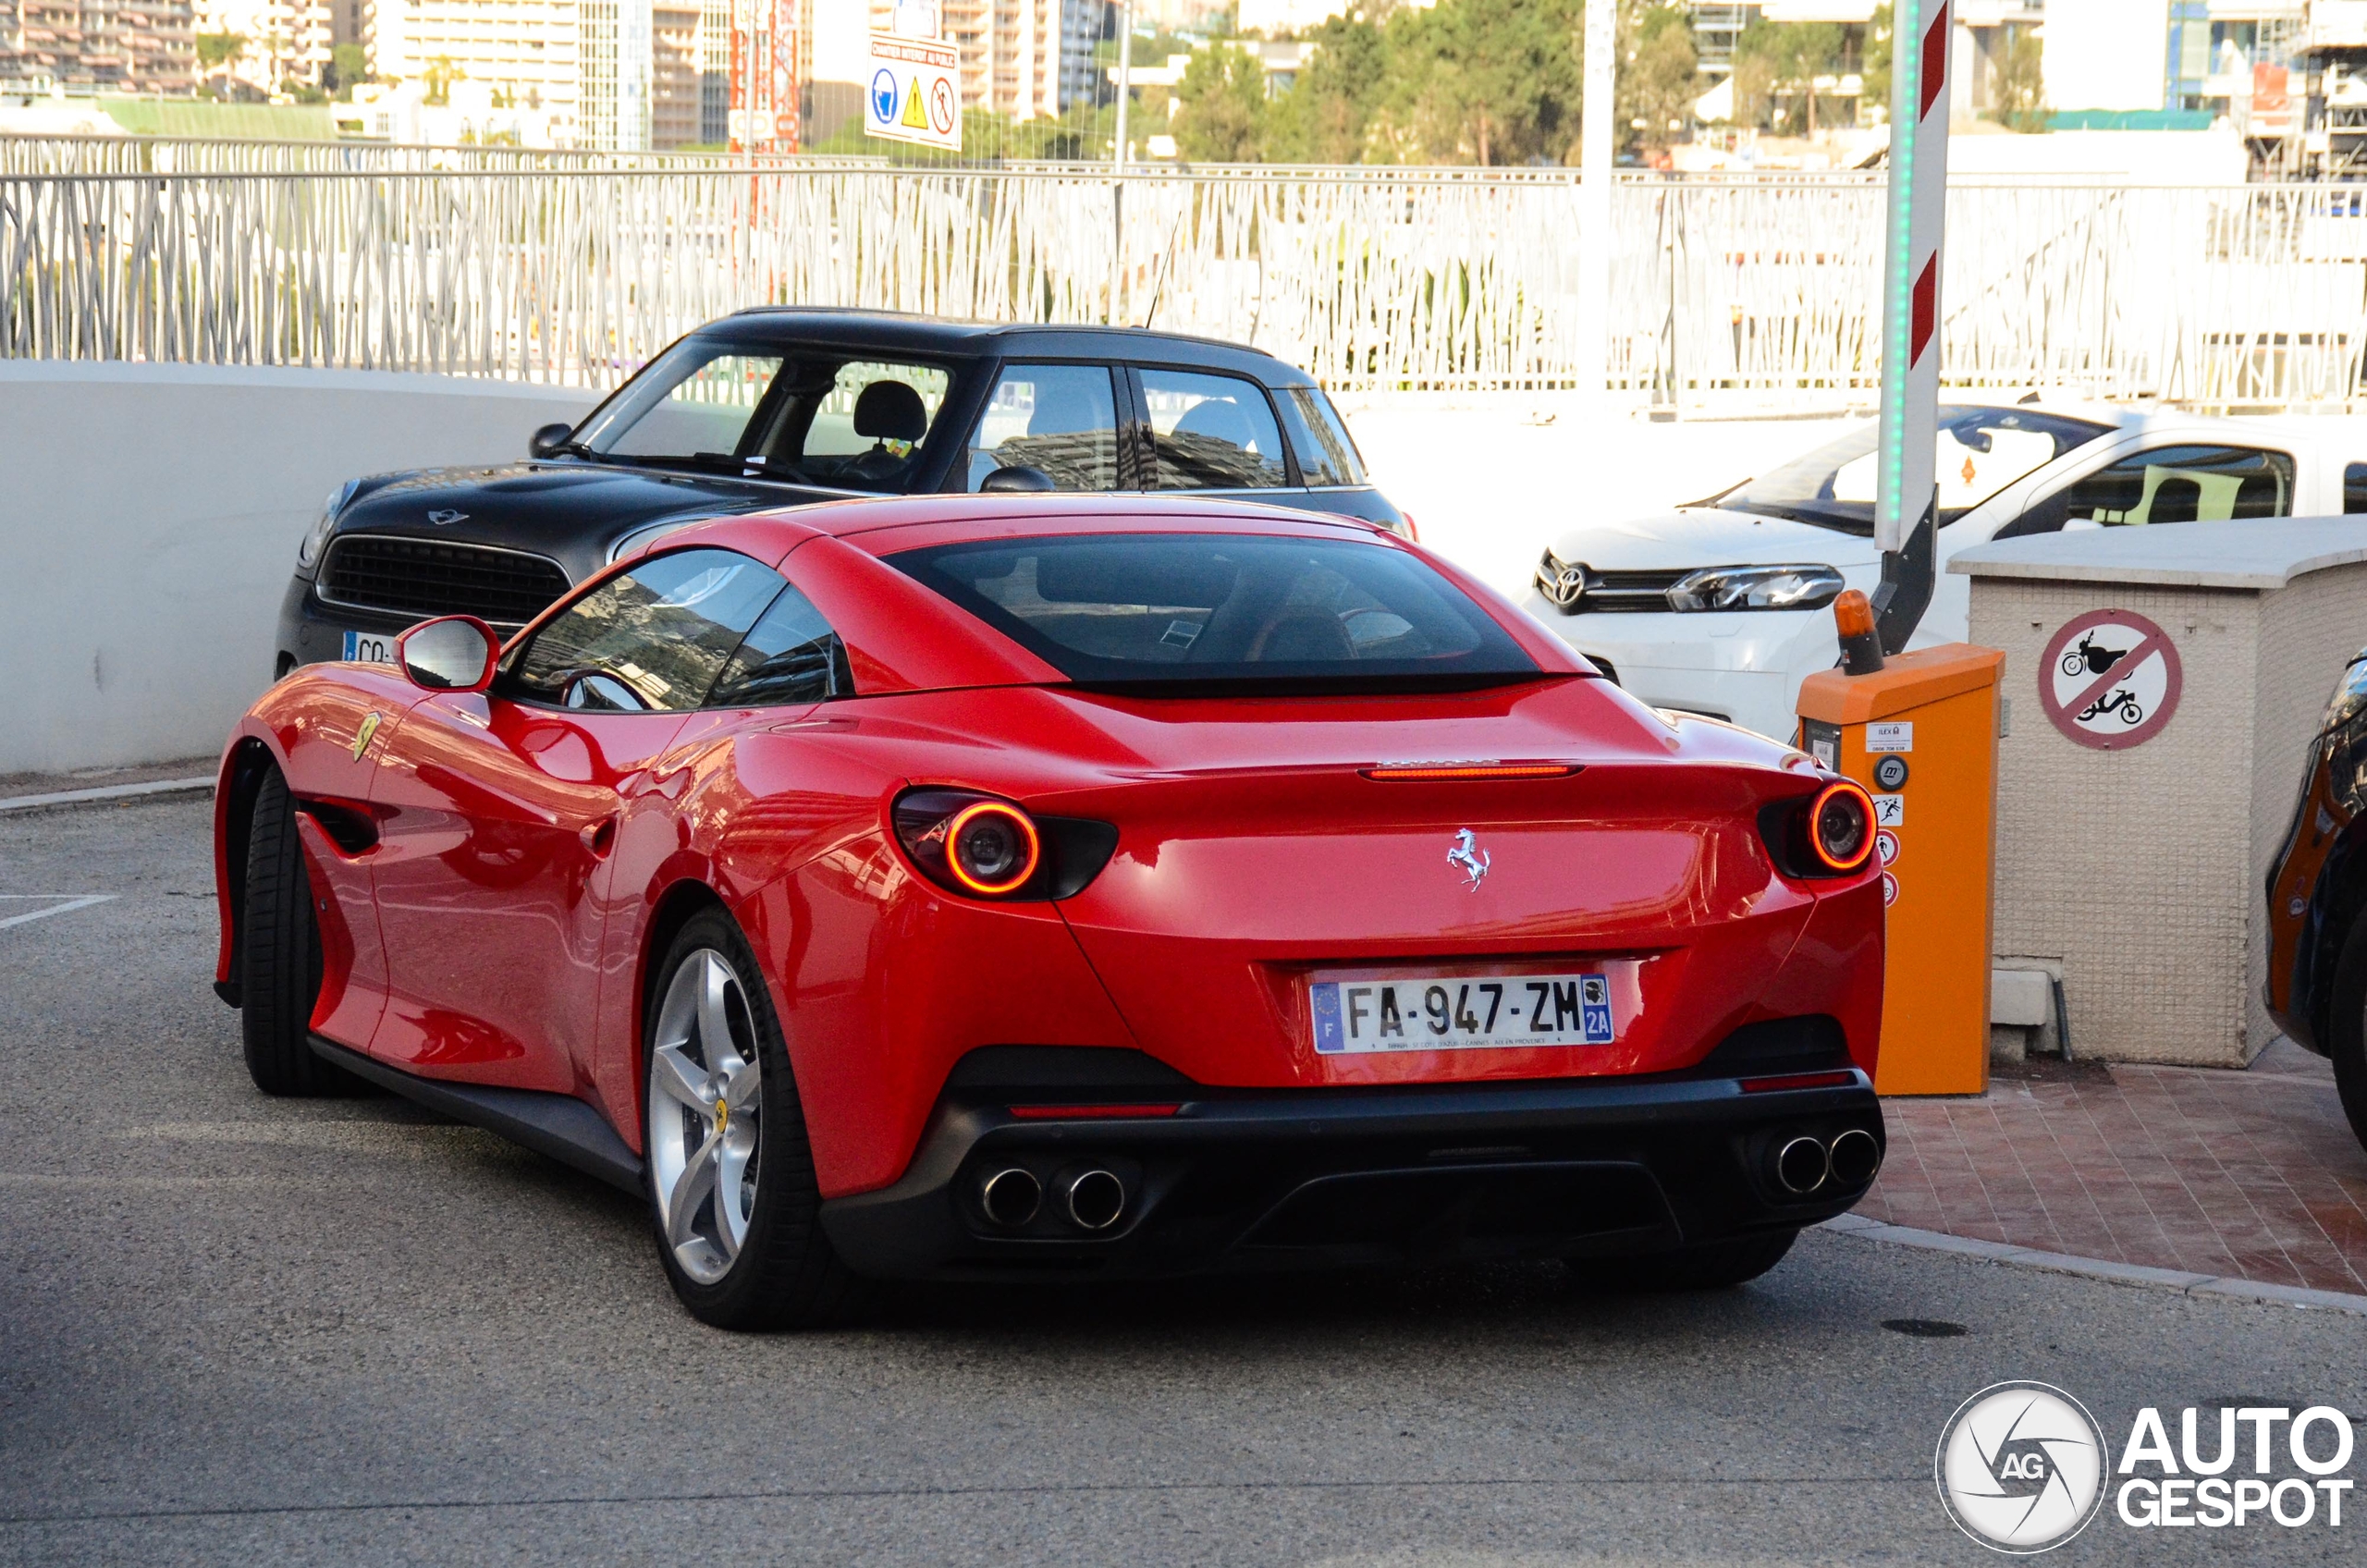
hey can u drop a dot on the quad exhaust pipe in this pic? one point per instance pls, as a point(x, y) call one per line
point(1011, 1197)
point(1806, 1164)
point(1095, 1199)
point(1856, 1157)
point(1802, 1164)
point(1092, 1200)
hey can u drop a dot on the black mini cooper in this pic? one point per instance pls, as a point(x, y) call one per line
point(779, 407)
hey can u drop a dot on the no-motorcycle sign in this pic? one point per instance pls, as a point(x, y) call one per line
point(2110, 679)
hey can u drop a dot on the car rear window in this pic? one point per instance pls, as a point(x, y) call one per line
point(1326, 456)
point(1185, 613)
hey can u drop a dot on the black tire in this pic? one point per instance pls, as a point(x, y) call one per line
point(1714, 1266)
point(2347, 1029)
point(786, 1274)
point(279, 955)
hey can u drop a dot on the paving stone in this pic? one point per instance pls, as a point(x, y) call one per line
point(2192, 1172)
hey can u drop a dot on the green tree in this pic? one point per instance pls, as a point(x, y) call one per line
point(1326, 117)
point(217, 49)
point(1221, 117)
point(441, 74)
point(347, 65)
point(1876, 68)
point(1779, 60)
point(1658, 68)
point(1486, 81)
point(2017, 91)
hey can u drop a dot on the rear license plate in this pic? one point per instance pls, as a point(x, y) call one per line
point(1359, 1016)
point(368, 647)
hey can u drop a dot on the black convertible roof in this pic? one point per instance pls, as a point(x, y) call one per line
point(898, 332)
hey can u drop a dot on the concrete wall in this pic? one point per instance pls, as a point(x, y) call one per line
point(149, 518)
point(148, 515)
point(2141, 870)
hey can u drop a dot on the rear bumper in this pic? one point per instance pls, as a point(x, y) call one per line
point(1238, 1181)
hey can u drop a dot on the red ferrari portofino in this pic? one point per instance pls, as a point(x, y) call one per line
point(1029, 886)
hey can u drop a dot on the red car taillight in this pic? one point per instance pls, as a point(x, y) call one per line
point(989, 848)
point(1830, 833)
point(1841, 826)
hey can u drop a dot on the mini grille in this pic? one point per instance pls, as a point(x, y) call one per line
point(426, 577)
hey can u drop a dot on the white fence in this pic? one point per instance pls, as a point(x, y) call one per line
point(1762, 291)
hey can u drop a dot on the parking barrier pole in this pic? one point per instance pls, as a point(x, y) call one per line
point(1905, 492)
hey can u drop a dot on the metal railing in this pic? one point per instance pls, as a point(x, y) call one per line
point(1764, 291)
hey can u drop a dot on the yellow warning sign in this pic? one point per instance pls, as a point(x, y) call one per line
point(915, 92)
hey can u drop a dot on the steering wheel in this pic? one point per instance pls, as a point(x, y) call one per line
point(597, 690)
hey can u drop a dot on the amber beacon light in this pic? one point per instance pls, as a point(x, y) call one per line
point(1853, 617)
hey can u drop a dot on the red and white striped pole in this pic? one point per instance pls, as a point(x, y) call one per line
point(1905, 494)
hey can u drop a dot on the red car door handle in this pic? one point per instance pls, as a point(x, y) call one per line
point(601, 837)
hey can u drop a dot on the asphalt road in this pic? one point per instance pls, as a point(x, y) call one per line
point(239, 1329)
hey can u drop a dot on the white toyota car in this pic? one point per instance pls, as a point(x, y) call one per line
point(1720, 607)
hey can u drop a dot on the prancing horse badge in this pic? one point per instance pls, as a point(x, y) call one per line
point(1469, 857)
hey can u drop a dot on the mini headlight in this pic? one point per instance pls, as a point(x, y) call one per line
point(308, 553)
point(1755, 588)
point(2350, 696)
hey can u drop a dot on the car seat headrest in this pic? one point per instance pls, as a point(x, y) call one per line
point(891, 410)
point(1219, 419)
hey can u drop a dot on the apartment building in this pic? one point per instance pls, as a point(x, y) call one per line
point(104, 46)
point(525, 51)
point(284, 41)
point(690, 55)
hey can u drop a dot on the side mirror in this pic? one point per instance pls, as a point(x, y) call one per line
point(546, 441)
point(453, 653)
point(1017, 477)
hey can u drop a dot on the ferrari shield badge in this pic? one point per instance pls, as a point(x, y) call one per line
point(361, 736)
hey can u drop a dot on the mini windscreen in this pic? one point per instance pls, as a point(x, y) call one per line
point(981, 846)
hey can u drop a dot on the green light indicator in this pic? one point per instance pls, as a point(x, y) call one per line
point(1906, 82)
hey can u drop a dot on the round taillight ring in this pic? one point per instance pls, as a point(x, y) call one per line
point(1841, 826)
point(994, 881)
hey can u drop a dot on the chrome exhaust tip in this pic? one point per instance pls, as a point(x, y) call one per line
point(1010, 1198)
point(1802, 1165)
point(1855, 1157)
point(1095, 1199)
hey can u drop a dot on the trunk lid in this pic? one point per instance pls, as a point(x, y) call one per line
point(1253, 854)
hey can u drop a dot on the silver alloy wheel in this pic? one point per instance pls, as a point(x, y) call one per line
point(704, 1112)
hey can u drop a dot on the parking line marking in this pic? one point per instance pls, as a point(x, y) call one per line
point(107, 793)
point(73, 901)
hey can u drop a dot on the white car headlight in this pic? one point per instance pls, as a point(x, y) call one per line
point(308, 553)
point(1755, 588)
